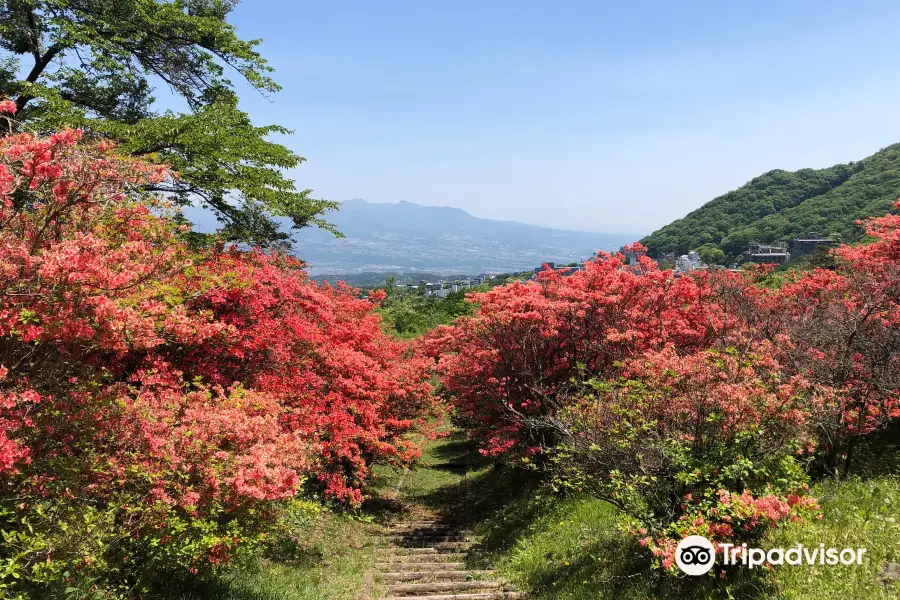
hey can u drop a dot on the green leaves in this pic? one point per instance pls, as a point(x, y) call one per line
point(91, 64)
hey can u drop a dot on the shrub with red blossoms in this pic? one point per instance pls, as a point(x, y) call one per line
point(158, 403)
point(656, 392)
point(353, 392)
point(676, 438)
point(729, 517)
point(516, 359)
point(842, 331)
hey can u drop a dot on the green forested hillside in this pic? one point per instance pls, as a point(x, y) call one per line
point(780, 205)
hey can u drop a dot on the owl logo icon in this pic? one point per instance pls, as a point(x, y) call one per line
point(695, 555)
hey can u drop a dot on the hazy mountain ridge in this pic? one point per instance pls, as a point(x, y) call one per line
point(411, 237)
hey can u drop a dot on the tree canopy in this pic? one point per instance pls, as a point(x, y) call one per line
point(711, 254)
point(96, 64)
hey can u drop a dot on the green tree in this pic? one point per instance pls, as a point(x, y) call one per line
point(711, 254)
point(93, 64)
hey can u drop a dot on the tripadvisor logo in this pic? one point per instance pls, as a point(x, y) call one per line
point(695, 555)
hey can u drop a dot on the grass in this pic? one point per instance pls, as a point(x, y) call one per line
point(572, 549)
point(857, 513)
point(329, 558)
point(328, 554)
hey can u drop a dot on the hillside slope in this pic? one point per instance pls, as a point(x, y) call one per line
point(780, 205)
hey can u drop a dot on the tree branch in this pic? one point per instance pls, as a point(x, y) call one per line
point(33, 34)
point(37, 70)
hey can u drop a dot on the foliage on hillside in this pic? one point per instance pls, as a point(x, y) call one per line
point(572, 547)
point(408, 313)
point(781, 205)
point(159, 404)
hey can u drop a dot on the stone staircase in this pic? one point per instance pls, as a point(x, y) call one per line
point(425, 560)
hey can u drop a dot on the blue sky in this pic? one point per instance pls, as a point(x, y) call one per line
point(600, 116)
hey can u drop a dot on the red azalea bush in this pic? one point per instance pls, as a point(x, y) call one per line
point(352, 391)
point(696, 404)
point(158, 404)
point(841, 330)
point(514, 361)
point(699, 444)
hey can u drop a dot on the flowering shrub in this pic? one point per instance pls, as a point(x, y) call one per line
point(701, 444)
point(510, 365)
point(842, 332)
point(350, 390)
point(158, 404)
point(727, 517)
point(696, 404)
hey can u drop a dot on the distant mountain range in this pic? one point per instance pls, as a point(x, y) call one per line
point(780, 205)
point(408, 237)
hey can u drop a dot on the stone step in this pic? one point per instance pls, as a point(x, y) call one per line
point(434, 548)
point(427, 531)
point(450, 586)
point(418, 535)
point(454, 575)
point(424, 525)
point(499, 595)
point(399, 567)
point(422, 557)
point(430, 540)
point(424, 522)
point(477, 596)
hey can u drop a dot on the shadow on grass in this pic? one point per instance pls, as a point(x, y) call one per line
point(383, 508)
point(878, 454)
point(307, 557)
point(616, 570)
point(220, 589)
point(458, 450)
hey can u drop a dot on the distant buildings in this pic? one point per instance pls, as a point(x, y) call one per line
point(566, 271)
point(767, 254)
point(778, 253)
point(792, 250)
point(546, 265)
point(808, 244)
point(442, 289)
point(430, 288)
point(689, 262)
point(631, 257)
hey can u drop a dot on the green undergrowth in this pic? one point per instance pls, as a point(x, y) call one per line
point(318, 556)
point(857, 513)
point(571, 548)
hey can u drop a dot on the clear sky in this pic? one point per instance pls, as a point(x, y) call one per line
point(594, 115)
